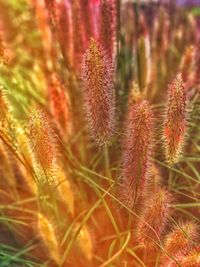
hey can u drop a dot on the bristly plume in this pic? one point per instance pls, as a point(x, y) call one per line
point(179, 241)
point(143, 55)
point(41, 138)
point(99, 96)
point(3, 52)
point(79, 36)
point(108, 25)
point(4, 108)
point(154, 218)
point(48, 236)
point(60, 107)
point(137, 148)
point(65, 191)
point(42, 145)
point(187, 63)
point(192, 259)
point(84, 241)
point(175, 120)
point(65, 31)
point(155, 179)
point(51, 6)
point(161, 31)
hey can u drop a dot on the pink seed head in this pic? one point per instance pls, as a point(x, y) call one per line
point(192, 259)
point(179, 241)
point(79, 35)
point(42, 142)
point(137, 151)
point(175, 120)
point(154, 217)
point(99, 97)
point(187, 63)
point(108, 25)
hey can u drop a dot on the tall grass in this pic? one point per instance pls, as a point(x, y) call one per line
point(99, 134)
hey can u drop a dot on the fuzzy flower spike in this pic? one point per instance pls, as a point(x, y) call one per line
point(137, 151)
point(99, 97)
point(175, 120)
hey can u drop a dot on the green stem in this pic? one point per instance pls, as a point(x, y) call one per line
point(107, 162)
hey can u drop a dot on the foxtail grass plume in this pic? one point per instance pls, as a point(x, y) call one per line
point(179, 241)
point(143, 54)
point(155, 178)
point(154, 218)
point(192, 258)
point(65, 31)
point(4, 108)
point(52, 7)
point(41, 138)
point(23, 143)
point(65, 191)
point(175, 123)
point(108, 25)
point(79, 35)
point(60, 107)
point(42, 145)
point(99, 96)
point(187, 63)
point(161, 32)
point(137, 146)
point(48, 236)
point(3, 52)
point(84, 241)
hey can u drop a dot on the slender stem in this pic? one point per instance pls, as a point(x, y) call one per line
point(107, 162)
